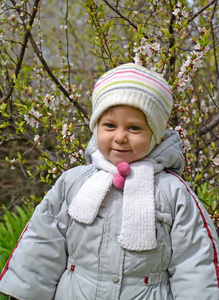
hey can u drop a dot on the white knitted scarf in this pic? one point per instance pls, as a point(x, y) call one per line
point(138, 230)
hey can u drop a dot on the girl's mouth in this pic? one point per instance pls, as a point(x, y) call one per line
point(121, 151)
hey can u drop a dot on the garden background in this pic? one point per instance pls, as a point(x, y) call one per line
point(52, 52)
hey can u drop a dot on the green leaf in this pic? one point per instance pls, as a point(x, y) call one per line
point(11, 227)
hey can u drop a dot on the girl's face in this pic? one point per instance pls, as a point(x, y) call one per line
point(123, 134)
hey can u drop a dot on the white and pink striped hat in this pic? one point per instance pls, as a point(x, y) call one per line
point(134, 85)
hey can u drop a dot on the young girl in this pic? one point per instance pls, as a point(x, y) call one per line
point(124, 226)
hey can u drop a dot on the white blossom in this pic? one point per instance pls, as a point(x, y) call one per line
point(186, 120)
point(53, 172)
point(189, 67)
point(13, 162)
point(49, 101)
point(12, 17)
point(182, 132)
point(36, 138)
point(202, 158)
point(186, 145)
point(193, 100)
point(81, 152)
point(185, 13)
point(72, 137)
point(176, 11)
point(2, 38)
point(150, 51)
point(137, 59)
point(63, 27)
point(65, 130)
point(215, 161)
point(33, 121)
point(202, 30)
point(72, 160)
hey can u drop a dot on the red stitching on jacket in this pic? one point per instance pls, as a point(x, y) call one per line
point(10, 257)
point(205, 225)
point(146, 280)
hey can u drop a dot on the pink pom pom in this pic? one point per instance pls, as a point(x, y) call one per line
point(119, 181)
point(123, 168)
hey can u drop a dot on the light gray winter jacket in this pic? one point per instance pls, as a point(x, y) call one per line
point(62, 259)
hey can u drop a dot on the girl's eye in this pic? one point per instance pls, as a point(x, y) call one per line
point(134, 128)
point(110, 125)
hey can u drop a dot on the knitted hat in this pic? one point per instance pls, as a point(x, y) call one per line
point(134, 85)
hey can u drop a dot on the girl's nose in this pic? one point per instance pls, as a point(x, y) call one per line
point(120, 136)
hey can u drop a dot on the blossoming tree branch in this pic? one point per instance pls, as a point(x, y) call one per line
point(51, 54)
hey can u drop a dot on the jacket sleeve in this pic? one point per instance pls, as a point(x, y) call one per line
point(40, 256)
point(194, 266)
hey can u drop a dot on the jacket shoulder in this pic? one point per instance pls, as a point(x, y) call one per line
point(72, 180)
point(76, 172)
point(172, 184)
point(168, 185)
point(177, 192)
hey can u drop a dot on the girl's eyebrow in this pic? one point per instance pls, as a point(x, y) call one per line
point(138, 122)
point(107, 118)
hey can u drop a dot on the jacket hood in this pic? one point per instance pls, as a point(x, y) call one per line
point(168, 153)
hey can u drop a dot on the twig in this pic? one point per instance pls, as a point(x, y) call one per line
point(30, 140)
point(53, 77)
point(201, 10)
point(214, 47)
point(22, 51)
point(209, 178)
point(210, 126)
point(19, 194)
point(118, 13)
point(67, 45)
